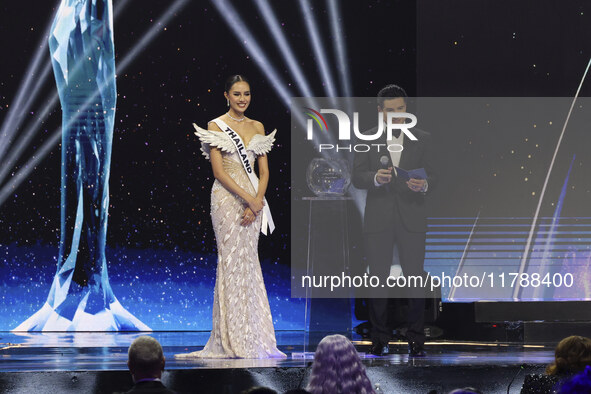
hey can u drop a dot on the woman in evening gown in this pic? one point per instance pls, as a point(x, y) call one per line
point(242, 323)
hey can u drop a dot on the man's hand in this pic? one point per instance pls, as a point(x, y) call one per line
point(416, 185)
point(384, 175)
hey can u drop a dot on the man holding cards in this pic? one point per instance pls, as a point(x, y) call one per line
point(395, 214)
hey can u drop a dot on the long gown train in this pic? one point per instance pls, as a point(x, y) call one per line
point(242, 322)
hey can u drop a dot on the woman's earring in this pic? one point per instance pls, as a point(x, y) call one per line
point(228, 102)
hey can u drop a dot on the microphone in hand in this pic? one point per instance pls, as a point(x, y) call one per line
point(384, 174)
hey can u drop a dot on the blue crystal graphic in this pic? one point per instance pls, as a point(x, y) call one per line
point(83, 59)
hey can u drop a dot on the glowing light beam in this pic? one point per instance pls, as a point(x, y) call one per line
point(316, 41)
point(26, 137)
point(289, 57)
point(241, 31)
point(286, 52)
point(524, 260)
point(251, 45)
point(340, 48)
point(17, 108)
point(11, 186)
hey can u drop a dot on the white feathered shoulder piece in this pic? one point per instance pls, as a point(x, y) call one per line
point(262, 144)
point(217, 139)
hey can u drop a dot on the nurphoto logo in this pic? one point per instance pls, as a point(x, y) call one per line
point(394, 121)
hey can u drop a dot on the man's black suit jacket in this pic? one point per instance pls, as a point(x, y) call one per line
point(383, 200)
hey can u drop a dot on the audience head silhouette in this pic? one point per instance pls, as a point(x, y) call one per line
point(572, 354)
point(259, 390)
point(145, 358)
point(337, 368)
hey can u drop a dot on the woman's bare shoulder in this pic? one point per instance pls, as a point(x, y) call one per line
point(257, 126)
point(212, 125)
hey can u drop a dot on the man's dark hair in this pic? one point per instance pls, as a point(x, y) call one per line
point(390, 92)
point(145, 355)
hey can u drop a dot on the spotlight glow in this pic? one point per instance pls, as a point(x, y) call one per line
point(525, 259)
point(338, 34)
point(452, 292)
point(236, 24)
point(27, 136)
point(319, 53)
point(241, 31)
point(7, 190)
point(151, 33)
point(274, 27)
point(18, 109)
point(289, 57)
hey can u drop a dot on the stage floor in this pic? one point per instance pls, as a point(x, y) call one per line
point(108, 352)
point(96, 363)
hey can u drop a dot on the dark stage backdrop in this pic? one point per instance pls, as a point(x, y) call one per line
point(161, 247)
point(493, 175)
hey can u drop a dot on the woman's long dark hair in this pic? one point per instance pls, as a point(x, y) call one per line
point(337, 369)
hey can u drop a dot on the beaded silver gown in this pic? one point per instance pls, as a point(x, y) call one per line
point(242, 323)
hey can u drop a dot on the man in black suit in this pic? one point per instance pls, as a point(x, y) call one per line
point(146, 363)
point(395, 214)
